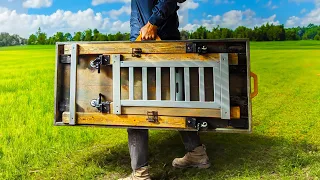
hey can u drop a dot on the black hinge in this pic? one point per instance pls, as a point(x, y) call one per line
point(136, 52)
point(103, 60)
point(103, 107)
point(153, 116)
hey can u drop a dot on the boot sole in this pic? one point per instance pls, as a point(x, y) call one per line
point(199, 166)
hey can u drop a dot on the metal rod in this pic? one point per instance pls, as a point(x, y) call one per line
point(131, 83)
point(201, 85)
point(158, 83)
point(145, 83)
point(166, 63)
point(73, 83)
point(116, 84)
point(172, 84)
point(187, 83)
point(182, 104)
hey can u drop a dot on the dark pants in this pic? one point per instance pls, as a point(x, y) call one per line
point(138, 145)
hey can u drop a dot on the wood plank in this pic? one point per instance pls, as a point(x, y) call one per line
point(233, 58)
point(126, 48)
point(125, 120)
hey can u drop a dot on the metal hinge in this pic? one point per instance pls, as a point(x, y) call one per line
point(136, 52)
point(100, 60)
point(153, 116)
point(103, 107)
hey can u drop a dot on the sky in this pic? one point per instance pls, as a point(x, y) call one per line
point(24, 17)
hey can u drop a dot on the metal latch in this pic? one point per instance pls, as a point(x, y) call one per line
point(103, 107)
point(136, 52)
point(153, 116)
point(195, 48)
point(100, 60)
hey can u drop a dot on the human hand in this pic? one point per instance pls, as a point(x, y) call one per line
point(148, 32)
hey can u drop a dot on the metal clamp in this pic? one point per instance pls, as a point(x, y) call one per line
point(103, 107)
point(100, 60)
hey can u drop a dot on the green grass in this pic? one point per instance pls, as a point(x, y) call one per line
point(284, 144)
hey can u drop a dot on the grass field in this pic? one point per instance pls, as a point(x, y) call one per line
point(285, 142)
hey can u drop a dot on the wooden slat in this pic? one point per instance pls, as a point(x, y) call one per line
point(124, 120)
point(233, 58)
point(126, 48)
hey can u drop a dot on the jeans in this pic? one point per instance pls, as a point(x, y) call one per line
point(138, 145)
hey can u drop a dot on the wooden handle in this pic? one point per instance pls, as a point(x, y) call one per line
point(255, 83)
point(139, 38)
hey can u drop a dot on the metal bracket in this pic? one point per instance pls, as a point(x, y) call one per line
point(103, 107)
point(196, 124)
point(100, 60)
point(152, 116)
point(65, 59)
point(136, 52)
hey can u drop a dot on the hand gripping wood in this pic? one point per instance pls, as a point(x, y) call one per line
point(139, 38)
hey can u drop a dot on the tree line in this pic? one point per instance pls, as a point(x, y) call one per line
point(266, 32)
point(11, 40)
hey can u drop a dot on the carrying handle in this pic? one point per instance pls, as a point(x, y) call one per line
point(139, 38)
point(255, 83)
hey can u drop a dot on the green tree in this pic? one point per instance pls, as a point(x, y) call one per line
point(317, 37)
point(67, 37)
point(95, 35)
point(77, 36)
point(32, 39)
point(88, 35)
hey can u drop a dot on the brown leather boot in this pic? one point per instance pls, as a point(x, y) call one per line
point(139, 174)
point(197, 158)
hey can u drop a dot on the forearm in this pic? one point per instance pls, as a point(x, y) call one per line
point(162, 10)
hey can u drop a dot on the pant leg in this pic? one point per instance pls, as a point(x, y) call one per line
point(191, 140)
point(138, 147)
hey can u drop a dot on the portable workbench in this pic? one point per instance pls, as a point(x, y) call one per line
point(197, 85)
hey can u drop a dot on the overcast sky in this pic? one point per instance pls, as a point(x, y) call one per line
point(23, 17)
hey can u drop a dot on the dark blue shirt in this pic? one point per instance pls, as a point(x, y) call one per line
point(162, 13)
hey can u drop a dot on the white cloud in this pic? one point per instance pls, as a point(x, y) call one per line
point(304, 10)
point(234, 18)
point(65, 21)
point(36, 3)
point(223, 2)
point(183, 12)
point(115, 13)
point(98, 2)
point(189, 4)
point(312, 17)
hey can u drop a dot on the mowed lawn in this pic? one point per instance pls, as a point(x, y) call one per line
point(285, 142)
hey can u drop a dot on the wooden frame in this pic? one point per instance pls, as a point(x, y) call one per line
point(89, 82)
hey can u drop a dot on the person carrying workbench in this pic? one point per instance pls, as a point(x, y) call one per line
point(151, 18)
